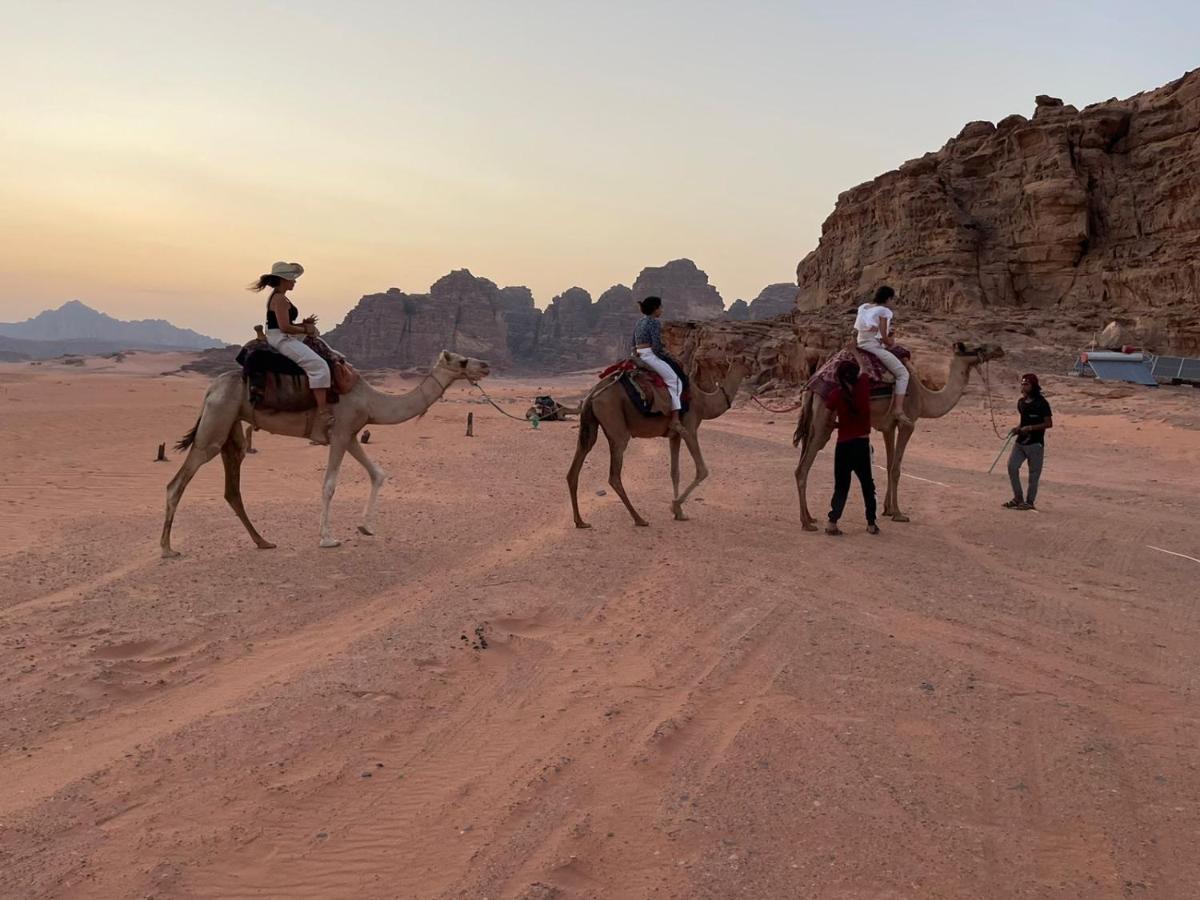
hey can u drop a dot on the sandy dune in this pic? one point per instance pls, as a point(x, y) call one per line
point(981, 703)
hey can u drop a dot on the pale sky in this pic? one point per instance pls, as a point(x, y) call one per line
point(156, 156)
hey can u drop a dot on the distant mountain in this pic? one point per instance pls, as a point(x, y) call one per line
point(75, 321)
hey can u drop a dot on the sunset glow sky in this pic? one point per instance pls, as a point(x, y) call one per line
point(156, 156)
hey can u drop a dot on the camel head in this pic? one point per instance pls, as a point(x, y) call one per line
point(462, 366)
point(977, 355)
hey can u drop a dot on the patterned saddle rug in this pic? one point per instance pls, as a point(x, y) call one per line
point(882, 381)
point(276, 383)
point(645, 387)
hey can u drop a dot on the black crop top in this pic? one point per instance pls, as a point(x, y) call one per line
point(273, 322)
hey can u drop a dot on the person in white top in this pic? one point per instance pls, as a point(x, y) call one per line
point(873, 325)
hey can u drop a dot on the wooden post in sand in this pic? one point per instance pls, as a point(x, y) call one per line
point(162, 453)
point(470, 424)
point(366, 436)
point(250, 438)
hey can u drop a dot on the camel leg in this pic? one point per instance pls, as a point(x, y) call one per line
point(616, 457)
point(676, 508)
point(588, 432)
point(337, 449)
point(901, 442)
point(232, 454)
point(811, 450)
point(212, 431)
point(378, 477)
point(889, 494)
point(693, 444)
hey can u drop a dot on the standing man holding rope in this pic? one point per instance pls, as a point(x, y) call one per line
point(1031, 442)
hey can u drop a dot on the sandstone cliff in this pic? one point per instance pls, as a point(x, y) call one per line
point(1096, 210)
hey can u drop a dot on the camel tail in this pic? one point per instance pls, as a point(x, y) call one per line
point(188, 439)
point(802, 434)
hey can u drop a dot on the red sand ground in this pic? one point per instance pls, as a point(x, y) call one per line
point(981, 703)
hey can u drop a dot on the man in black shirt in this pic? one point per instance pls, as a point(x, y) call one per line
point(1031, 442)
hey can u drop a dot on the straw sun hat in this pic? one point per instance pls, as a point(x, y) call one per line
point(289, 270)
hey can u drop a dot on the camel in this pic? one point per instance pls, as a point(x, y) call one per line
point(609, 407)
point(227, 404)
point(816, 425)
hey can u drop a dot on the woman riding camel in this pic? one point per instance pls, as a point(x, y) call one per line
point(874, 327)
point(647, 343)
point(286, 336)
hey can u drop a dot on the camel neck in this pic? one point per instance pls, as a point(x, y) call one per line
point(935, 404)
point(391, 409)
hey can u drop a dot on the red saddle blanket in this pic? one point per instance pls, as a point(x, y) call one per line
point(825, 379)
point(645, 387)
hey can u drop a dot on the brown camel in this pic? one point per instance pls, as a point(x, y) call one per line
point(817, 424)
point(609, 407)
point(227, 404)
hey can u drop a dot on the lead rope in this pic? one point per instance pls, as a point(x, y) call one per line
point(475, 385)
point(987, 384)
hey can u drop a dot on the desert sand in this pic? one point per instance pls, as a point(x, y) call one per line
point(482, 701)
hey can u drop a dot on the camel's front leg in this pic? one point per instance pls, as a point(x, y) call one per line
point(889, 494)
point(675, 507)
point(337, 449)
point(693, 444)
point(378, 477)
point(901, 442)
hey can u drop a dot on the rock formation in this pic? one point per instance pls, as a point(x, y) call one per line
point(460, 313)
point(739, 311)
point(1096, 210)
point(684, 289)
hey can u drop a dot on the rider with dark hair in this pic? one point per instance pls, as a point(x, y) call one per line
point(648, 345)
point(850, 399)
point(873, 330)
point(1030, 446)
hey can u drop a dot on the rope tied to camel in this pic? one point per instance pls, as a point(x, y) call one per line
point(770, 409)
point(987, 384)
point(502, 412)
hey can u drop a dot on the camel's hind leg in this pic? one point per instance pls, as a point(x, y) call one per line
point(588, 432)
point(232, 454)
point(378, 477)
point(616, 457)
point(693, 444)
point(210, 435)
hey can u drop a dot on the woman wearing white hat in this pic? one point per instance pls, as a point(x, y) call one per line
point(287, 336)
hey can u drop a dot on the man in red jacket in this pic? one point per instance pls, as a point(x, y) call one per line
point(850, 399)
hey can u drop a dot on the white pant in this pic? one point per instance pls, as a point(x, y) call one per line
point(891, 361)
point(674, 385)
point(302, 355)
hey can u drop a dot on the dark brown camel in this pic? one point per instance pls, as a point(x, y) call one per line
point(608, 407)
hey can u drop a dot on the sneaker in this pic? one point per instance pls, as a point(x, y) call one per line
point(832, 529)
point(1015, 504)
point(872, 528)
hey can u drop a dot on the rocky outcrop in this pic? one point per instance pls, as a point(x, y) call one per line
point(460, 313)
point(685, 291)
point(774, 300)
point(522, 320)
point(739, 311)
point(1097, 207)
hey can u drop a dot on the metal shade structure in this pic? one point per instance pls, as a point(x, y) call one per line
point(1177, 369)
point(1132, 368)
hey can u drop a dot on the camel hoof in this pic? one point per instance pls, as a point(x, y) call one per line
point(266, 545)
point(329, 543)
point(809, 526)
point(582, 525)
point(363, 529)
point(900, 517)
point(641, 523)
point(170, 554)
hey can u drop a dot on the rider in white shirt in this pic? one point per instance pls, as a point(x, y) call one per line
point(873, 325)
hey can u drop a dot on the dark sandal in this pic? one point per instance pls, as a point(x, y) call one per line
point(832, 529)
point(1014, 504)
point(872, 528)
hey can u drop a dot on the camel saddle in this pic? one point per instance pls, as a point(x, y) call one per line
point(645, 387)
point(276, 383)
point(882, 381)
